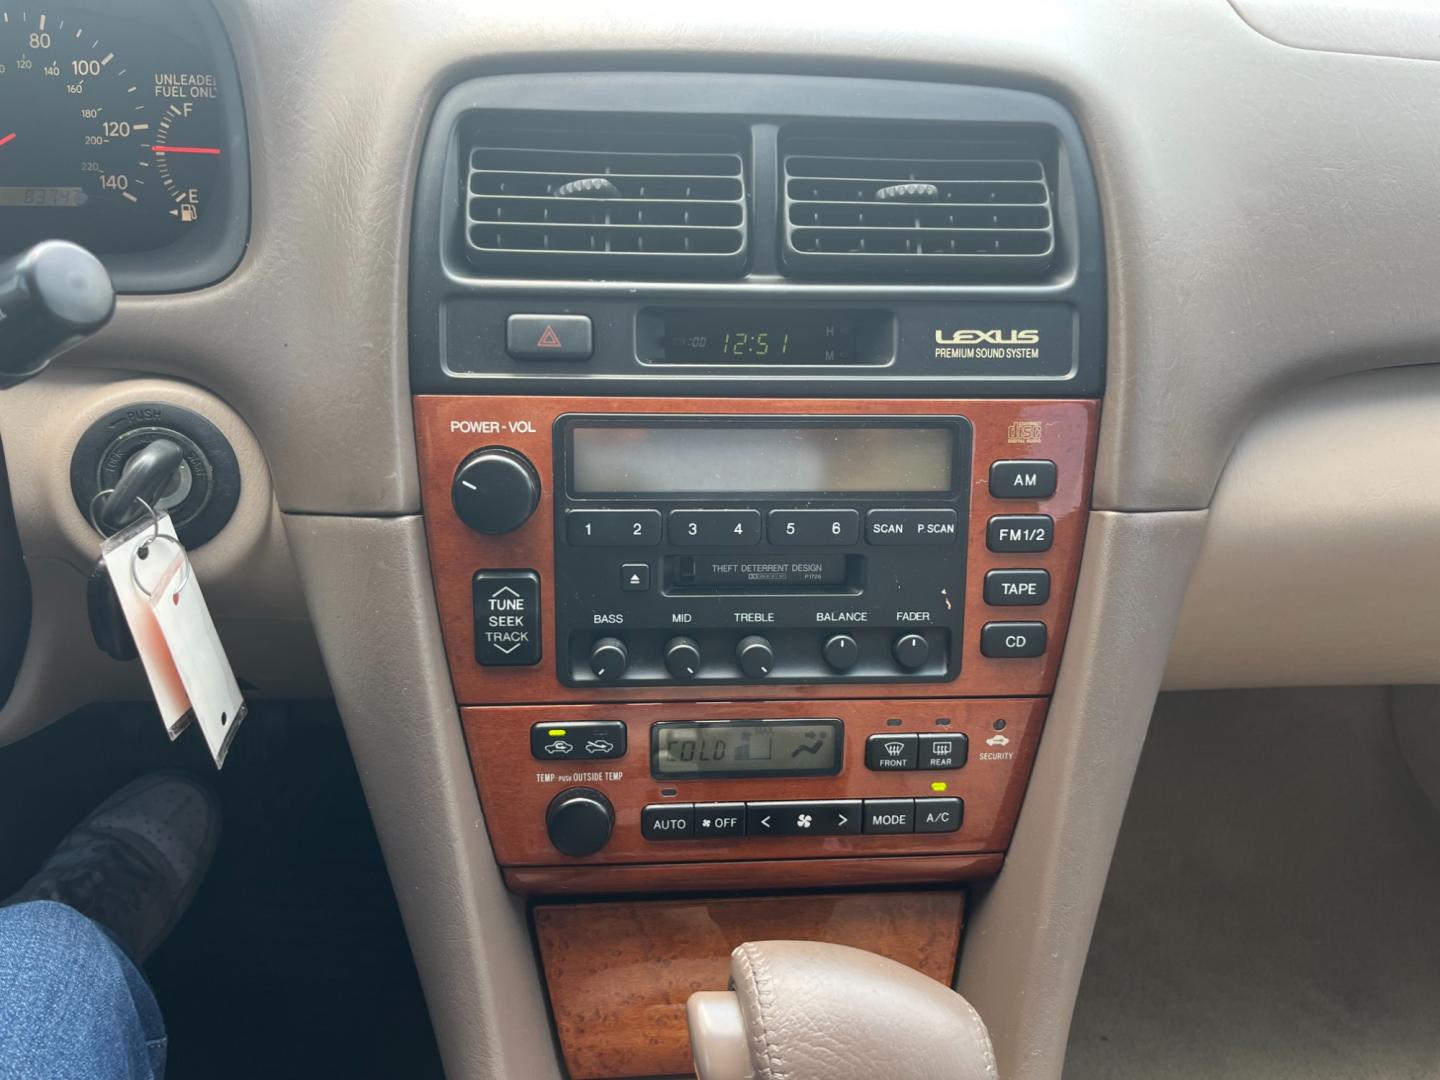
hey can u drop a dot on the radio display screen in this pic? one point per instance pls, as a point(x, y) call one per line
point(740, 748)
point(733, 457)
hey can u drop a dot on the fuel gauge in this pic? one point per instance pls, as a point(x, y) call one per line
point(187, 154)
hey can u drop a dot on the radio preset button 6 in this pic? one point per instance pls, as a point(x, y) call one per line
point(714, 528)
point(912, 527)
point(814, 528)
point(613, 528)
point(1022, 479)
point(1020, 533)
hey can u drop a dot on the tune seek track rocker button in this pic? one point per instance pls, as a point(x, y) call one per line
point(507, 617)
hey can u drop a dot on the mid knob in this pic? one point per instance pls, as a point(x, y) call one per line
point(609, 658)
point(682, 657)
point(495, 490)
point(756, 657)
point(580, 821)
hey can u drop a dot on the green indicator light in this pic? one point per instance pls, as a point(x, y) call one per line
point(555, 732)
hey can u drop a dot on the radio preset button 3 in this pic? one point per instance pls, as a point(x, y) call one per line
point(1020, 533)
point(714, 528)
point(1022, 479)
point(613, 528)
point(912, 527)
point(814, 528)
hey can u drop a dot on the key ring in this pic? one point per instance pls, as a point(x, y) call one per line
point(135, 562)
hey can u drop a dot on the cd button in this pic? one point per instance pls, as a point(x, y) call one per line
point(1013, 640)
point(714, 528)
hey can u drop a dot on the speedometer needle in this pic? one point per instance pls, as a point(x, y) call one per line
point(180, 149)
point(6, 138)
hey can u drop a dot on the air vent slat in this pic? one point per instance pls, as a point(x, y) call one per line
point(931, 204)
point(580, 201)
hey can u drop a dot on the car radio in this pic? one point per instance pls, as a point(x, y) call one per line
point(723, 549)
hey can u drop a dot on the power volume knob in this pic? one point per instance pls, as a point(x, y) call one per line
point(495, 490)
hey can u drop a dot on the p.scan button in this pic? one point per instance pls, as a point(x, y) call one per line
point(911, 527)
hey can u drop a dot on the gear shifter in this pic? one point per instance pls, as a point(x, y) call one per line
point(52, 297)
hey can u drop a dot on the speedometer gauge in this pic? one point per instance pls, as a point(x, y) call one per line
point(112, 127)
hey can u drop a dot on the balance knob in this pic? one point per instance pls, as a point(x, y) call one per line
point(495, 490)
point(841, 652)
point(609, 658)
point(757, 658)
point(580, 821)
point(682, 657)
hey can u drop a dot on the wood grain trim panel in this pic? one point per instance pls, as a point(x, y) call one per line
point(449, 428)
point(619, 974)
point(516, 789)
point(756, 874)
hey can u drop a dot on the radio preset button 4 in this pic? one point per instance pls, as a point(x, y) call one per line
point(912, 527)
point(613, 528)
point(714, 528)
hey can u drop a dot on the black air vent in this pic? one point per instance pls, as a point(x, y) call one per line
point(929, 205)
point(585, 202)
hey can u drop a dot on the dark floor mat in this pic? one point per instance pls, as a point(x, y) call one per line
point(292, 961)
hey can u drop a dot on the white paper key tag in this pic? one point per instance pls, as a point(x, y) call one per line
point(120, 553)
point(184, 619)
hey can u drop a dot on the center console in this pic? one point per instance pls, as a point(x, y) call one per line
point(756, 422)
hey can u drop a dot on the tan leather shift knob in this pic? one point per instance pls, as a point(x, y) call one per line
point(803, 1010)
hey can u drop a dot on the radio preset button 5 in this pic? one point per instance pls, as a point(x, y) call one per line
point(912, 527)
point(613, 528)
point(714, 528)
point(1022, 479)
point(814, 528)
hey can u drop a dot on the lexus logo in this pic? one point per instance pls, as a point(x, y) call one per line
point(988, 337)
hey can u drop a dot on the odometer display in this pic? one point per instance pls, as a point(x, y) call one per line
point(110, 130)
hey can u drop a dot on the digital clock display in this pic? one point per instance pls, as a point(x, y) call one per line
point(739, 748)
point(780, 337)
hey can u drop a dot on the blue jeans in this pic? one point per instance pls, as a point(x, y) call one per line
point(72, 1005)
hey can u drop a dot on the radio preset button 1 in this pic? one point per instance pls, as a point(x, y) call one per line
point(609, 658)
point(1022, 479)
point(912, 527)
point(814, 528)
point(613, 528)
point(1020, 533)
point(714, 528)
point(1013, 640)
point(939, 815)
point(578, 740)
point(943, 750)
point(889, 815)
point(755, 656)
point(891, 753)
point(1017, 588)
point(668, 821)
point(911, 651)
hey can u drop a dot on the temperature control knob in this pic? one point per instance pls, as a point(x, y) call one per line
point(580, 821)
point(495, 490)
point(756, 657)
point(682, 657)
point(609, 658)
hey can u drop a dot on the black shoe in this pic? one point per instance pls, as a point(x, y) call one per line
point(135, 863)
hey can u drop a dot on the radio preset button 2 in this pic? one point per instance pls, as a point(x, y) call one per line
point(912, 527)
point(891, 753)
point(841, 652)
point(755, 656)
point(1013, 533)
point(1013, 640)
point(911, 651)
point(1022, 479)
point(613, 528)
point(814, 528)
point(714, 528)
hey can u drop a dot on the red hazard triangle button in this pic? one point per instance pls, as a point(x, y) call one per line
point(549, 339)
